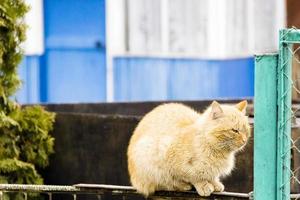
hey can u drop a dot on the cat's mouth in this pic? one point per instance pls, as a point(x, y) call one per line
point(242, 145)
point(233, 146)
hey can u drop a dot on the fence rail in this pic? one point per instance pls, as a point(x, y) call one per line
point(98, 190)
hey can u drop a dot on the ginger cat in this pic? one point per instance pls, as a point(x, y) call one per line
point(174, 147)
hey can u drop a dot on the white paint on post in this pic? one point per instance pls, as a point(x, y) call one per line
point(34, 44)
point(115, 40)
point(115, 26)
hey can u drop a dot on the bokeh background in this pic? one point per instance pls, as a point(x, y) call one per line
point(141, 50)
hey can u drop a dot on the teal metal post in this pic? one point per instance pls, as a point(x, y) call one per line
point(265, 127)
point(284, 116)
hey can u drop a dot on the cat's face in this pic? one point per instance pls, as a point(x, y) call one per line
point(228, 126)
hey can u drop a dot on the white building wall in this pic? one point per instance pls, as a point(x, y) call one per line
point(207, 29)
point(201, 28)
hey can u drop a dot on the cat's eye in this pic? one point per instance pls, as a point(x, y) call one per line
point(235, 130)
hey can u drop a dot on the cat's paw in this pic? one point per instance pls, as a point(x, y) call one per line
point(183, 186)
point(204, 188)
point(219, 187)
point(187, 187)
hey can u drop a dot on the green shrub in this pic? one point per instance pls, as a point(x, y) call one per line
point(25, 144)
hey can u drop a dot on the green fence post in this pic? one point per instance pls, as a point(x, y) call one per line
point(265, 127)
point(284, 116)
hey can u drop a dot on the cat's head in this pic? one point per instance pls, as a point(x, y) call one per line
point(227, 126)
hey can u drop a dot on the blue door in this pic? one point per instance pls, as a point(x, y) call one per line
point(73, 67)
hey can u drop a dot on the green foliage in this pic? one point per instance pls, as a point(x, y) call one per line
point(25, 144)
point(12, 33)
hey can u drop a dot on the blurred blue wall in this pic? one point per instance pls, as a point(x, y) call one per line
point(73, 67)
point(138, 79)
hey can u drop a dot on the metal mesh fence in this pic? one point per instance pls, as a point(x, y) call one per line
point(288, 146)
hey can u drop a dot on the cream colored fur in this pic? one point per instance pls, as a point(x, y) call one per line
point(174, 147)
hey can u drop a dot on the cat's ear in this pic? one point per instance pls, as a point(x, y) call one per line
point(216, 110)
point(242, 106)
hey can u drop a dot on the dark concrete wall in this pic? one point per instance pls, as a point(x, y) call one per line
point(90, 149)
point(132, 108)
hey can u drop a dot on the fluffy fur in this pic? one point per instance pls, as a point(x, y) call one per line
point(174, 147)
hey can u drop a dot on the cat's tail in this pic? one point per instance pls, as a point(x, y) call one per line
point(143, 188)
point(139, 179)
